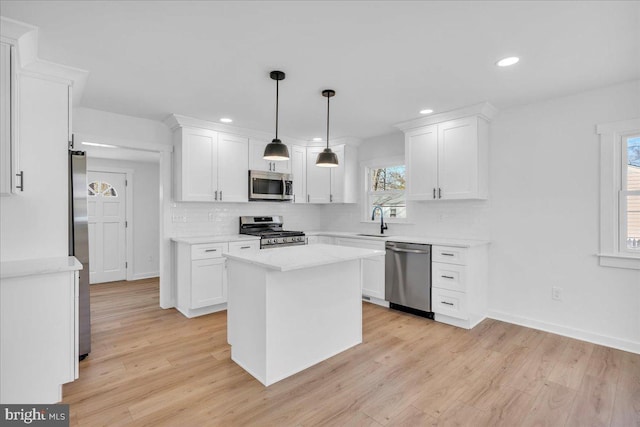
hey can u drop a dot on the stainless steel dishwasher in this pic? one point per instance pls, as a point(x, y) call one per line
point(408, 277)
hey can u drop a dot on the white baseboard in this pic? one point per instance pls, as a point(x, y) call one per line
point(141, 276)
point(579, 334)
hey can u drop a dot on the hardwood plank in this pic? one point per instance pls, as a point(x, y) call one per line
point(626, 409)
point(551, 407)
point(593, 404)
point(571, 366)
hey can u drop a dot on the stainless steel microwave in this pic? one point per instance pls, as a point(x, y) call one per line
point(271, 186)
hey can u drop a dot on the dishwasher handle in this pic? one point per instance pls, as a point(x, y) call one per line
point(411, 251)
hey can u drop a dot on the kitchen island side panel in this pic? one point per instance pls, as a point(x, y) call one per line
point(312, 314)
point(246, 317)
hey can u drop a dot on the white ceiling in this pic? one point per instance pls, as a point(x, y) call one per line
point(386, 60)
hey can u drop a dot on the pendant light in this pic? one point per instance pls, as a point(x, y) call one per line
point(276, 150)
point(327, 159)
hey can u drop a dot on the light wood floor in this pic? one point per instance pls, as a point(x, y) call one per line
point(155, 367)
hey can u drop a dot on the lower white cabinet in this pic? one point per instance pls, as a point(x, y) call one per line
point(372, 268)
point(459, 279)
point(208, 283)
point(202, 274)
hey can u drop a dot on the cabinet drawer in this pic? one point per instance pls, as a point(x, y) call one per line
point(208, 250)
point(450, 255)
point(244, 246)
point(450, 303)
point(360, 243)
point(449, 276)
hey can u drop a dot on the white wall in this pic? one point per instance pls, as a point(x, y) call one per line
point(544, 219)
point(34, 223)
point(146, 213)
point(541, 217)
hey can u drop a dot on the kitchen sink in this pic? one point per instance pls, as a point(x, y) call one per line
point(373, 235)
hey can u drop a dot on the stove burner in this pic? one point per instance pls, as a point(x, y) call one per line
point(270, 231)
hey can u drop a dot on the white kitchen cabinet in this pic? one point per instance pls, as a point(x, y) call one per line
point(299, 173)
point(325, 240)
point(372, 268)
point(208, 282)
point(459, 284)
point(6, 122)
point(257, 161)
point(448, 160)
point(332, 185)
point(210, 166)
point(244, 246)
point(202, 278)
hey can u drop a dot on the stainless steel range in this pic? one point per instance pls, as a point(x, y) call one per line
point(269, 228)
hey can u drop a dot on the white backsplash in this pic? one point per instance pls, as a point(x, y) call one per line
point(452, 219)
point(201, 219)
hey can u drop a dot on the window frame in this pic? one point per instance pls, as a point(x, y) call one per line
point(365, 168)
point(612, 156)
point(624, 194)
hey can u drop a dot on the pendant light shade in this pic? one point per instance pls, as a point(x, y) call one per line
point(276, 150)
point(327, 159)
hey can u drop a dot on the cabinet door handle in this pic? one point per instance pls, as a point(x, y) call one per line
point(445, 302)
point(448, 277)
point(445, 254)
point(21, 186)
point(331, 198)
point(434, 192)
point(308, 198)
point(210, 250)
point(220, 194)
point(216, 196)
point(439, 193)
point(245, 247)
point(294, 198)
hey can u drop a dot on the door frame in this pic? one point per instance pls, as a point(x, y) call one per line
point(128, 216)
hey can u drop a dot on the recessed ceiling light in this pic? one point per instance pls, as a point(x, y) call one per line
point(95, 144)
point(427, 111)
point(317, 139)
point(226, 120)
point(505, 62)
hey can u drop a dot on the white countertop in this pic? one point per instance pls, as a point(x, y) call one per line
point(194, 240)
point(303, 256)
point(32, 267)
point(427, 240)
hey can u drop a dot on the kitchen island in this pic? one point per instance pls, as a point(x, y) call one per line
point(290, 308)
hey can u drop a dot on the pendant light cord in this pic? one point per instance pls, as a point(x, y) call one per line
point(277, 96)
point(328, 98)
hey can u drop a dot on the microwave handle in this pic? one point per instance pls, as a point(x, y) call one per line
point(284, 188)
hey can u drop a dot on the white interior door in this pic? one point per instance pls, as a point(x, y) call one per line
point(106, 203)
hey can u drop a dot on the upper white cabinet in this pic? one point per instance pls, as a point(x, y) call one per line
point(210, 166)
point(448, 159)
point(257, 162)
point(332, 185)
point(6, 83)
point(299, 173)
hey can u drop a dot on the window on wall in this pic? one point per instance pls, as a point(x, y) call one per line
point(630, 195)
point(385, 187)
point(620, 194)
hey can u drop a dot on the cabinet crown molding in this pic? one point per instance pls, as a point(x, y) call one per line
point(24, 37)
point(174, 121)
point(484, 110)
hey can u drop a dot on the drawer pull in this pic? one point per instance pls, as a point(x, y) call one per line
point(445, 254)
point(245, 247)
point(445, 302)
point(448, 277)
point(210, 250)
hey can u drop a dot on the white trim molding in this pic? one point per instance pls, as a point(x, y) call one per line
point(611, 134)
point(484, 110)
point(566, 331)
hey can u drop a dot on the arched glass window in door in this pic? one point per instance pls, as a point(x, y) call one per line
point(102, 188)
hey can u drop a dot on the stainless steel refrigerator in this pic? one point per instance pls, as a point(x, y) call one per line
point(79, 242)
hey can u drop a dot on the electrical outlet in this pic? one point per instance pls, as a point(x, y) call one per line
point(556, 293)
point(179, 218)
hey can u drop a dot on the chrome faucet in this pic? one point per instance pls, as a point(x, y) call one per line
point(383, 226)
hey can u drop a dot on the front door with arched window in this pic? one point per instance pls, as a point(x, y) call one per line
point(107, 222)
